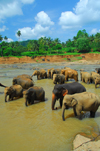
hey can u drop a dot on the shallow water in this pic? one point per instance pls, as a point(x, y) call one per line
point(37, 127)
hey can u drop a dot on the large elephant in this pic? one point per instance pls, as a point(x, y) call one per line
point(24, 82)
point(86, 77)
point(70, 73)
point(49, 72)
point(68, 88)
point(58, 78)
point(25, 76)
point(85, 101)
point(55, 71)
point(41, 74)
point(13, 91)
point(32, 94)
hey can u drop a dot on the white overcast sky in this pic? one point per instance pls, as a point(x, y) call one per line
point(56, 19)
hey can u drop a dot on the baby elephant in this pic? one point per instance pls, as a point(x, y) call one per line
point(85, 101)
point(58, 78)
point(13, 91)
point(32, 94)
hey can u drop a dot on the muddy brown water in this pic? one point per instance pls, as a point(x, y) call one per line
point(37, 127)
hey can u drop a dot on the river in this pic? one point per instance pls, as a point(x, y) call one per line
point(37, 127)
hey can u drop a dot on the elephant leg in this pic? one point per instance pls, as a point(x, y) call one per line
point(74, 111)
point(43, 97)
point(10, 97)
point(38, 77)
point(92, 114)
point(78, 112)
point(60, 101)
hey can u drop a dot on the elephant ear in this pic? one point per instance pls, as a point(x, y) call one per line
point(64, 92)
point(74, 102)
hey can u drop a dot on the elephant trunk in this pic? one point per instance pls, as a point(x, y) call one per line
point(63, 111)
point(6, 98)
point(53, 100)
point(2, 85)
point(26, 103)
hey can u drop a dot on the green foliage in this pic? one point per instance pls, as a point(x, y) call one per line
point(8, 51)
point(82, 45)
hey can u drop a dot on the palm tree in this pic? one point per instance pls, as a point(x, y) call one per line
point(5, 38)
point(1, 38)
point(19, 34)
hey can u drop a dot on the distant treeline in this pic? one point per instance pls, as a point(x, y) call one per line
point(81, 43)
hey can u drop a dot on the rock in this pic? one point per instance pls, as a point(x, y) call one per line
point(79, 139)
point(82, 143)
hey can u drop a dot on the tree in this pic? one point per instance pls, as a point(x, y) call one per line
point(1, 38)
point(83, 45)
point(81, 34)
point(5, 38)
point(19, 34)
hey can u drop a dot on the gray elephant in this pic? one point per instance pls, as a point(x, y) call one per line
point(32, 94)
point(13, 91)
point(24, 82)
point(85, 101)
point(86, 77)
point(41, 74)
point(55, 71)
point(58, 78)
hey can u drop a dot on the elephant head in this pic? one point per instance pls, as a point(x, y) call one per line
point(70, 102)
point(55, 78)
point(58, 93)
point(8, 91)
point(36, 72)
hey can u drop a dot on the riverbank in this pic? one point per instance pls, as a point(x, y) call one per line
point(68, 59)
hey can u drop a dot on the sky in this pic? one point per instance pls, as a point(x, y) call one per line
point(48, 18)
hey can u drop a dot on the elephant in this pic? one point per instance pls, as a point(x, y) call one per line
point(68, 88)
point(13, 91)
point(58, 78)
point(32, 94)
point(55, 71)
point(41, 74)
point(2, 85)
point(97, 81)
point(93, 76)
point(25, 76)
point(24, 82)
point(70, 73)
point(49, 73)
point(85, 101)
point(86, 77)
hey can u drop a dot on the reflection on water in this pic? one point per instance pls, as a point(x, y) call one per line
point(37, 127)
